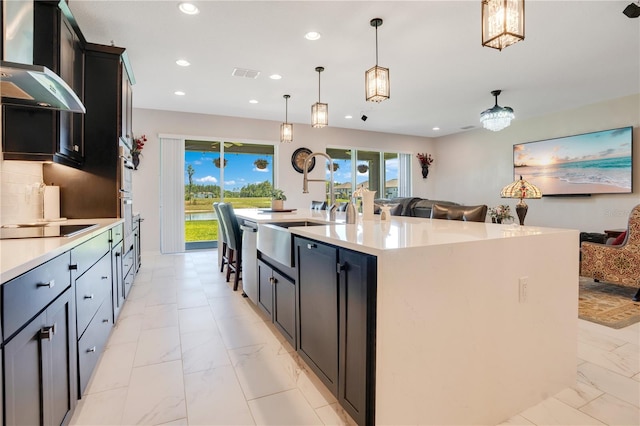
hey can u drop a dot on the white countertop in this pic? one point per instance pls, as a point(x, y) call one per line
point(374, 237)
point(18, 256)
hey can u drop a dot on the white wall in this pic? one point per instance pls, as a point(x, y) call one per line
point(199, 126)
point(473, 167)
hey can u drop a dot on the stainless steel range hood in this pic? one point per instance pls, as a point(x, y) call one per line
point(36, 86)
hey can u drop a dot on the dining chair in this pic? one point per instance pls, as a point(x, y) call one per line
point(234, 242)
point(318, 205)
point(225, 238)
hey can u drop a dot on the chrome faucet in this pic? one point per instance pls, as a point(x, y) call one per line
point(306, 180)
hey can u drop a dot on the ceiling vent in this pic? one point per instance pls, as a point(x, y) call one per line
point(243, 72)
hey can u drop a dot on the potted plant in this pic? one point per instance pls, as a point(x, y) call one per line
point(216, 162)
point(500, 213)
point(336, 166)
point(261, 163)
point(277, 199)
point(136, 151)
point(362, 168)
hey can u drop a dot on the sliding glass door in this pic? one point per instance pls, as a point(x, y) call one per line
point(239, 173)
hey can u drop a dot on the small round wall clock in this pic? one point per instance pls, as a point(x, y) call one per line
point(298, 158)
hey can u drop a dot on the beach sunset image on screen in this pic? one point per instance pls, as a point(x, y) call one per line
point(591, 163)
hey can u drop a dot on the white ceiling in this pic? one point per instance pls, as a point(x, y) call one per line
point(574, 53)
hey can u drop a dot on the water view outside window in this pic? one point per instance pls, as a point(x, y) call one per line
point(234, 172)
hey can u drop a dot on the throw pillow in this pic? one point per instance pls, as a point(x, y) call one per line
point(619, 239)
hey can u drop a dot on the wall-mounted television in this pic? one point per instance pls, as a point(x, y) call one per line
point(590, 163)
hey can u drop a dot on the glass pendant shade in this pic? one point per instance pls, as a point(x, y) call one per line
point(319, 111)
point(377, 84)
point(286, 129)
point(502, 23)
point(286, 132)
point(319, 115)
point(497, 117)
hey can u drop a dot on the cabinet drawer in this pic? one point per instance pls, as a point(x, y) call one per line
point(88, 253)
point(92, 343)
point(127, 261)
point(117, 232)
point(92, 288)
point(128, 281)
point(25, 296)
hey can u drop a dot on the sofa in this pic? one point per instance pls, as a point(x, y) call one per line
point(411, 206)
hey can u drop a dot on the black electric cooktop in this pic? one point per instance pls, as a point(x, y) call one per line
point(42, 231)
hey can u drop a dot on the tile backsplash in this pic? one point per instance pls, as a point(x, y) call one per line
point(21, 191)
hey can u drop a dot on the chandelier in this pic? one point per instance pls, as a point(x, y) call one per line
point(286, 129)
point(319, 111)
point(502, 23)
point(376, 79)
point(496, 118)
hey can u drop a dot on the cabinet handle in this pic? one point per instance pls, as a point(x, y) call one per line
point(76, 148)
point(50, 284)
point(89, 296)
point(73, 267)
point(105, 320)
point(47, 332)
point(92, 349)
point(311, 246)
point(104, 278)
point(117, 254)
point(340, 268)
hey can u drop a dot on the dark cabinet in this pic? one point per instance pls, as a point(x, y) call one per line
point(277, 298)
point(40, 367)
point(94, 190)
point(318, 309)
point(93, 282)
point(40, 134)
point(117, 273)
point(336, 325)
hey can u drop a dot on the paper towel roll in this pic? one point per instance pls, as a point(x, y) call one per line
point(51, 202)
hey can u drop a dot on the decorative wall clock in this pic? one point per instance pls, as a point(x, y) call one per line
point(298, 158)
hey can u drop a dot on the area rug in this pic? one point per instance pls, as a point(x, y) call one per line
point(607, 304)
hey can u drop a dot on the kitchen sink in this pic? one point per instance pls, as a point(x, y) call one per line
point(276, 242)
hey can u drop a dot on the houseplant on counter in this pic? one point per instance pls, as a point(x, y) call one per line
point(136, 151)
point(500, 213)
point(277, 199)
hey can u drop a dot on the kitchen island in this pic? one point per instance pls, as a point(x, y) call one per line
point(474, 322)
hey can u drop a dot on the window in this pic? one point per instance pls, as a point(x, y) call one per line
point(235, 172)
point(383, 172)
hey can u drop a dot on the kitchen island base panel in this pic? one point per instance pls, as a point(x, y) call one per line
point(454, 343)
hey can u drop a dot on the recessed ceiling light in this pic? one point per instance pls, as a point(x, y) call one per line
point(348, 117)
point(179, 93)
point(275, 76)
point(253, 101)
point(436, 128)
point(183, 62)
point(188, 8)
point(312, 35)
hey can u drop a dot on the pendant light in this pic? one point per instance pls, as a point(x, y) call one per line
point(286, 129)
point(502, 23)
point(319, 111)
point(376, 79)
point(496, 118)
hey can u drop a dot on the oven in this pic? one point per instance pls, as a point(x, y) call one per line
point(125, 168)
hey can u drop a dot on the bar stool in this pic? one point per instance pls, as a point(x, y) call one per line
point(318, 205)
point(234, 242)
point(225, 238)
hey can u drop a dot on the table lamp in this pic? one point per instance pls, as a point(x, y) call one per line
point(521, 189)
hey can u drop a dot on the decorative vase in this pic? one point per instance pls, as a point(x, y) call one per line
point(277, 204)
point(135, 159)
point(425, 172)
point(496, 220)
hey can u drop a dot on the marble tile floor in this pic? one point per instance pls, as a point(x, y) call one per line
point(187, 350)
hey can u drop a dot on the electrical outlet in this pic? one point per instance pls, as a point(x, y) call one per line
point(523, 284)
